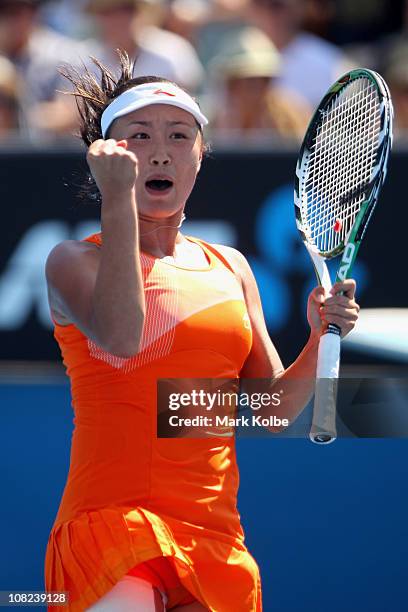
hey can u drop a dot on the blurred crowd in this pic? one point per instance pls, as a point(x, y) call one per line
point(257, 67)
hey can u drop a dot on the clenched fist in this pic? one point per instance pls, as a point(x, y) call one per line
point(113, 167)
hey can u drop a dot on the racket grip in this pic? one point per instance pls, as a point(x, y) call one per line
point(323, 430)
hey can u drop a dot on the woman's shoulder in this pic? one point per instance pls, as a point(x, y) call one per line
point(67, 255)
point(231, 254)
point(68, 252)
point(236, 260)
point(68, 266)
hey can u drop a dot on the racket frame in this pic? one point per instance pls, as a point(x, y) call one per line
point(357, 231)
point(323, 429)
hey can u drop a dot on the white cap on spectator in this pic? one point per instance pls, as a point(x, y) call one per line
point(147, 94)
point(246, 53)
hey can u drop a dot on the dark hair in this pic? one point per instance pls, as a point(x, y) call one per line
point(94, 95)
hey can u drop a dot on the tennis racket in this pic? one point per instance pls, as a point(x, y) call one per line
point(340, 170)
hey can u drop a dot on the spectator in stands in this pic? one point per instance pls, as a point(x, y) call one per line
point(207, 22)
point(10, 119)
point(67, 17)
point(185, 17)
point(319, 16)
point(36, 53)
point(132, 25)
point(245, 97)
point(310, 64)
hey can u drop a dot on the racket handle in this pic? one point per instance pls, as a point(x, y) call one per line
point(323, 430)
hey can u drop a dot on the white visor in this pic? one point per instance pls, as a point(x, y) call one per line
point(147, 94)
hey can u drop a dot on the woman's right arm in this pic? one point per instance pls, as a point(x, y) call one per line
point(100, 290)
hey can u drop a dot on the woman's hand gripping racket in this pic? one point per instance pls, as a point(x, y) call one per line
point(341, 167)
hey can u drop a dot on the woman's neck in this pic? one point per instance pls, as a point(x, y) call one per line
point(160, 237)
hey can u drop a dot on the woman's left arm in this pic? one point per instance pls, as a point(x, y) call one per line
point(263, 362)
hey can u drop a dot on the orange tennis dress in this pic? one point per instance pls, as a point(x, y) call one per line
point(130, 496)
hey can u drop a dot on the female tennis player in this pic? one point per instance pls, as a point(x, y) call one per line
point(146, 523)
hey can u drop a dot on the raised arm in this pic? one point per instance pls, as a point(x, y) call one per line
point(298, 380)
point(100, 289)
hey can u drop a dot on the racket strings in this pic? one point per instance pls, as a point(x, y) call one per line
point(341, 164)
point(348, 150)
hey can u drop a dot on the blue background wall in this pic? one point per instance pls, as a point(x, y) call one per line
point(327, 525)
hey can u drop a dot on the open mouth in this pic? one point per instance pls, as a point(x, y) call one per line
point(159, 185)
